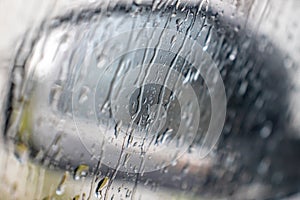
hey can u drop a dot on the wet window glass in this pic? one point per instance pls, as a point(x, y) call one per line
point(149, 99)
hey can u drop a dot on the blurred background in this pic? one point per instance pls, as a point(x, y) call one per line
point(43, 155)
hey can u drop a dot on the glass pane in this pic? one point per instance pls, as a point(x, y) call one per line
point(149, 99)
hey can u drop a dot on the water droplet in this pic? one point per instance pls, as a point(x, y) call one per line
point(118, 129)
point(173, 39)
point(59, 191)
point(179, 21)
point(21, 152)
point(266, 130)
point(128, 193)
point(188, 77)
point(102, 61)
point(126, 159)
point(203, 6)
point(243, 88)
point(233, 54)
point(174, 162)
point(101, 185)
point(83, 96)
point(185, 169)
point(76, 197)
point(62, 184)
point(81, 171)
